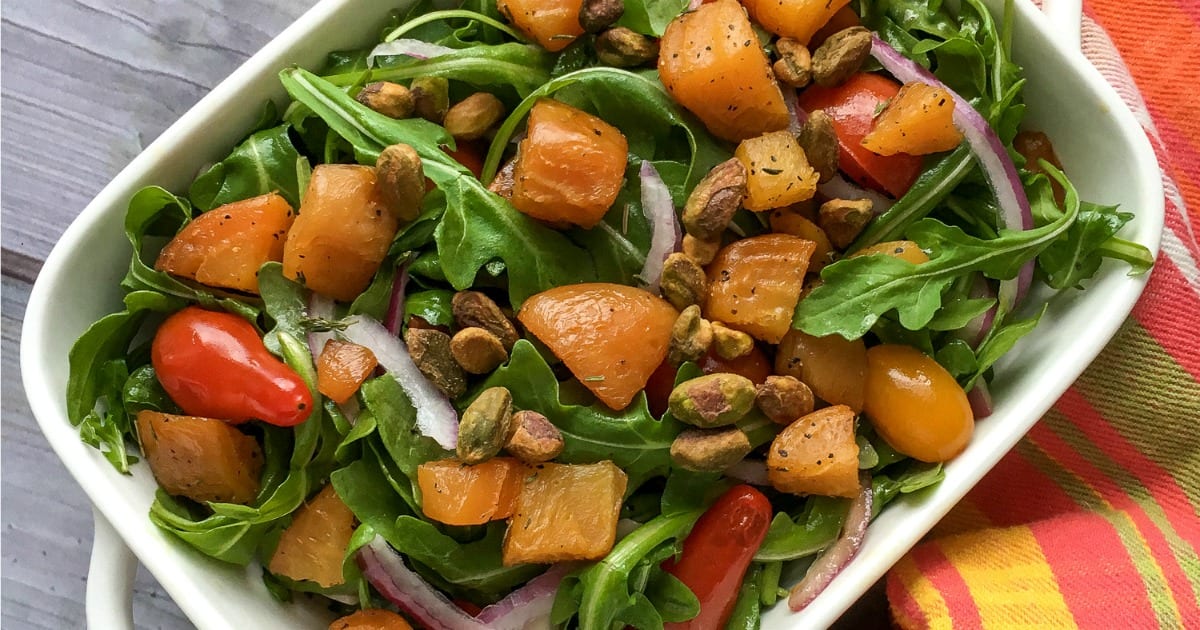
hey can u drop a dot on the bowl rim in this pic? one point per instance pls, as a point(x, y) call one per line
point(200, 606)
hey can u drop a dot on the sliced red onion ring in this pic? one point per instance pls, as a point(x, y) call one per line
point(796, 115)
point(840, 553)
point(522, 608)
point(980, 399)
point(528, 605)
point(977, 329)
point(841, 188)
point(414, 48)
point(751, 471)
point(386, 571)
point(664, 224)
point(395, 313)
point(436, 417)
point(998, 168)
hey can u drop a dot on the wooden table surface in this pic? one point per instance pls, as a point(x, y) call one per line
point(86, 84)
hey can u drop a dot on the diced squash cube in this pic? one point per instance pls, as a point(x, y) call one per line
point(816, 454)
point(570, 166)
point(455, 493)
point(904, 250)
point(918, 121)
point(754, 284)
point(200, 458)
point(314, 545)
point(565, 512)
point(552, 23)
point(371, 619)
point(224, 247)
point(612, 337)
point(342, 368)
point(778, 173)
point(342, 234)
point(835, 368)
point(798, 19)
point(711, 62)
point(788, 221)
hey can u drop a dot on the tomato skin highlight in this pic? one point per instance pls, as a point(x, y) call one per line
point(717, 553)
point(852, 107)
point(214, 364)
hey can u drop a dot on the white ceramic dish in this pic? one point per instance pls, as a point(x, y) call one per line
point(1099, 140)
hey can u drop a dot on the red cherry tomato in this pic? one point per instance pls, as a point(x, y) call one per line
point(658, 388)
point(468, 154)
point(754, 366)
point(852, 106)
point(214, 364)
point(717, 552)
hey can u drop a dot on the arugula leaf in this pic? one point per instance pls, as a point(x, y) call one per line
point(143, 391)
point(105, 429)
point(285, 305)
point(999, 341)
point(519, 66)
point(396, 419)
point(475, 567)
point(633, 439)
point(650, 17)
point(432, 306)
point(910, 478)
point(807, 532)
point(858, 290)
point(374, 302)
point(265, 162)
point(747, 609)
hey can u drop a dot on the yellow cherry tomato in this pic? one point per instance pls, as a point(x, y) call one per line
point(915, 404)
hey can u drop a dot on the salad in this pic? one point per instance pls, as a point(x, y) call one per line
point(588, 313)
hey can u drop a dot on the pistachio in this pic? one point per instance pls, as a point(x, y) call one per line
point(390, 99)
point(819, 141)
point(532, 438)
point(623, 48)
point(683, 281)
point(842, 55)
point(472, 117)
point(711, 401)
point(431, 98)
point(794, 66)
point(597, 15)
point(783, 399)
point(690, 336)
point(703, 251)
point(474, 309)
point(709, 450)
point(430, 350)
point(729, 343)
point(399, 181)
point(844, 219)
point(714, 200)
point(484, 426)
point(477, 350)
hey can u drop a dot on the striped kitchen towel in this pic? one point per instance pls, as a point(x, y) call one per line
point(1093, 521)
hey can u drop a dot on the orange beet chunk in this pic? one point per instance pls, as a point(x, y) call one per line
point(371, 619)
point(754, 284)
point(342, 368)
point(918, 121)
point(711, 63)
point(798, 19)
point(565, 512)
point(224, 247)
point(834, 367)
point(200, 458)
point(569, 167)
point(342, 234)
point(552, 23)
point(313, 546)
point(816, 454)
point(612, 337)
point(778, 173)
point(455, 493)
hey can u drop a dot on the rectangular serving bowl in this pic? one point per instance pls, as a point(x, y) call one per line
point(1100, 142)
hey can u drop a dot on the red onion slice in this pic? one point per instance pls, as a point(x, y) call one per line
point(840, 553)
point(751, 471)
point(796, 115)
point(436, 417)
point(998, 168)
point(395, 313)
point(841, 188)
point(977, 329)
point(980, 399)
point(386, 571)
point(414, 48)
point(528, 605)
point(664, 224)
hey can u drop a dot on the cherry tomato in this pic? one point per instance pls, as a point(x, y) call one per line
point(717, 553)
point(852, 107)
point(915, 404)
point(754, 366)
point(468, 154)
point(214, 364)
point(658, 388)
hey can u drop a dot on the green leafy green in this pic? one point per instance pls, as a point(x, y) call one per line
point(396, 419)
point(650, 17)
point(265, 162)
point(520, 67)
point(807, 532)
point(432, 306)
point(747, 609)
point(143, 391)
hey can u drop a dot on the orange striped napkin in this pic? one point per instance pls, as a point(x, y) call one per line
point(1093, 521)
